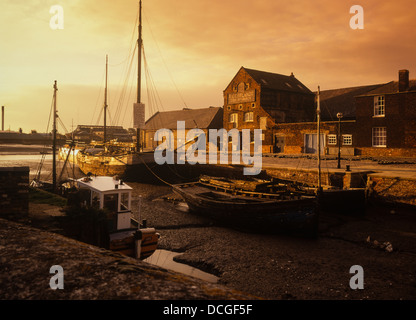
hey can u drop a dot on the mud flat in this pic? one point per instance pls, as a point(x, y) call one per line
point(285, 267)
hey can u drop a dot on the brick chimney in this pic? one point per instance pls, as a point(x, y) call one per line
point(403, 80)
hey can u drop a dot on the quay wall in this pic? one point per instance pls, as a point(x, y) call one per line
point(14, 192)
point(392, 189)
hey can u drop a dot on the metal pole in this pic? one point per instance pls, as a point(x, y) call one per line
point(139, 73)
point(339, 115)
point(105, 101)
point(54, 138)
point(139, 51)
point(318, 115)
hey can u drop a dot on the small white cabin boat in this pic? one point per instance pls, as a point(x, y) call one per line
point(126, 234)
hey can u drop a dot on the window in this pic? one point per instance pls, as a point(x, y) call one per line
point(124, 201)
point(379, 106)
point(233, 117)
point(379, 137)
point(253, 105)
point(248, 116)
point(240, 107)
point(347, 139)
point(332, 139)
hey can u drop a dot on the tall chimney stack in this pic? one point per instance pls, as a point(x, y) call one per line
point(2, 118)
point(403, 80)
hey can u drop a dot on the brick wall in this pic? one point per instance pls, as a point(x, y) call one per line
point(294, 134)
point(14, 192)
point(399, 121)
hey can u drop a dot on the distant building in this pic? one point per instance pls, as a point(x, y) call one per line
point(260, 100)
point(88, 133)
point(203, 118)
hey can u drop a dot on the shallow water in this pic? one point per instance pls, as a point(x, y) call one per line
point(164, 259)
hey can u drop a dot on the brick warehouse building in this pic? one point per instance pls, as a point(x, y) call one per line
point(386, 119)
point(259, 100)
point(378, 121)
point(300, 138)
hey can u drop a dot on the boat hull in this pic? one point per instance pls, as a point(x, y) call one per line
point(137, 167)
point(297, 215)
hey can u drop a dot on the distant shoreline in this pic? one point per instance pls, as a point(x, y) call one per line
point(22, 149)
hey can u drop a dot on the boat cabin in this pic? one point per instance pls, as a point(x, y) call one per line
point(109, 193)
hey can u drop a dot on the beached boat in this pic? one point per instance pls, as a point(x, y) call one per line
point(126, 234)
point(280, 211)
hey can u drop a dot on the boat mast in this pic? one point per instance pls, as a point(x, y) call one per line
point(105, 100)
point(318, 115)
point(55, 87)
point(139, 50)
point(139, 72)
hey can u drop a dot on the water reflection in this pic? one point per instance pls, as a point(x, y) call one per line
point(164, 259)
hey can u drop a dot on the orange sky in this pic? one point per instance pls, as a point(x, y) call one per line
point(193, 49)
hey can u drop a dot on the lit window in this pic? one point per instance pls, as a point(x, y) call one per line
point(379, 137)
point(248, 116)
point(234, 117)
point(379, 106)
point(332, 139)
point(347, 139)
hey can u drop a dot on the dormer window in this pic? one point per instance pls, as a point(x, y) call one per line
point(379, 106)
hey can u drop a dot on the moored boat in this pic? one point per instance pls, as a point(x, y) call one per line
point(277, 212)
point(126, 235)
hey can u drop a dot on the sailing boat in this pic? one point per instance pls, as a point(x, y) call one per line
point(53, 186)
point(125, 159)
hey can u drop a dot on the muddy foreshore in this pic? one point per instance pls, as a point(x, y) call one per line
point(287, 267)
point(284, 267)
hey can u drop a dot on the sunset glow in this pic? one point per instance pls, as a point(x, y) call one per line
point(193, 49)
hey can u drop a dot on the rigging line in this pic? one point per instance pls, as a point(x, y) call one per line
point(152, 83)
point(123, 91)
point(127, 69)
point(154, 173)
point(122, 99)
point(62, 124)
point(42, 160)
point(99, 117)
point(164, 62)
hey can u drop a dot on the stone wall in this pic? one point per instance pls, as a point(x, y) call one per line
point(14, 192)
point(391, 189)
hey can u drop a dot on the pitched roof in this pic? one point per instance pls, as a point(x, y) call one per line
point(203, 118)
point(277, 81)
point(342, 100)
point(391, 87)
